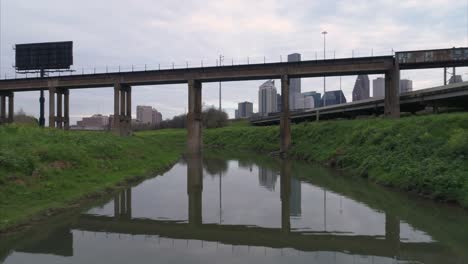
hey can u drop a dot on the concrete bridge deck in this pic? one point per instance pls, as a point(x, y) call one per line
point(59, 86)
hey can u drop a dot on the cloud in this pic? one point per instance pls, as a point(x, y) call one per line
point(153, 33)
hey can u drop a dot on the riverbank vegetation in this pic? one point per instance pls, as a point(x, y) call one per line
point(423, 154)
point(47, 168)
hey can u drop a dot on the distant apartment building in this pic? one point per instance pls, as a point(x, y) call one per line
point(455, 79)
point(333, 98)
point(294, 85)
point(148, 115)
point(361, 89)
point(267, 98)
point(94, 122)
point(378, 88)
point(244, 110)
point(157, 117)
point(145, 114)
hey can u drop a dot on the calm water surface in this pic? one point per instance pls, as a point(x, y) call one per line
point(246, 209)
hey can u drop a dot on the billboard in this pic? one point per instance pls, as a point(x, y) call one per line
point(442, 55)
point(42, 56)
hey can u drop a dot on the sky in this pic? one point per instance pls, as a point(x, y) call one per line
point(160, 33)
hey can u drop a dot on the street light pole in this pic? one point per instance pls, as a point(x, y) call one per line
point(221, 58)
point(324, 33)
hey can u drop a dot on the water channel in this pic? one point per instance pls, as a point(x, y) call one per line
point(231, 208)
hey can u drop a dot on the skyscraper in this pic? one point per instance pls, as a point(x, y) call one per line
point(378, 87)
point(295, 202)
point(361, 88)
point(267, 98)
point(244, 110)
point(317, 98)
point(294, 84)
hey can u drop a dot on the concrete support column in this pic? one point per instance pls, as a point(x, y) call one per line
point(59, 118)
point(392, 92)
point(116, 121)
point(2, 109)
point(285, 122)
point(66, 109)
point(11, 107)
point(285, 180)
point(194, 118)
point(122, 123)
point(41, 109)
point(52, 91)
point(195, 188)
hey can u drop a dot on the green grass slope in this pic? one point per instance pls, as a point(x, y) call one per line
point(424, 154)
point(46, 168)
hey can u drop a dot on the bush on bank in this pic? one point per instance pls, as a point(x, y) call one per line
point(424, 154)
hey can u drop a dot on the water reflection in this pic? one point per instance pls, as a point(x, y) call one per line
point(240, 211)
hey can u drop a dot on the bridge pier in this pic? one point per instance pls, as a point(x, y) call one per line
point(122, 123)
point(41, 109)
point(62, 119)
point(285, 122)
point(392, 92)
point(195, 188)
point(194, 117)
point(7, 116)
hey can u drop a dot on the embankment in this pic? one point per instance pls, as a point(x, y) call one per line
point(424, 154)
point(43, 169)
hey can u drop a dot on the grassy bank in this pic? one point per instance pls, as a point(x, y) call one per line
point(427, 154)
point(44, 168)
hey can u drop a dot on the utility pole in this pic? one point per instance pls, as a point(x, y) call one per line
point(324, 33)
point(221, 58)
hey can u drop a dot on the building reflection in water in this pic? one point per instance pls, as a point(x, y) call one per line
point(387, 246)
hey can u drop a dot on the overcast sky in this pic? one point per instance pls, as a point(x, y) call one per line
point(162, 32)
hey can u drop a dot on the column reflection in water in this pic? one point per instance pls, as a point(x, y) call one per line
point(195, 188)
point(285, 175)
point(123, 204)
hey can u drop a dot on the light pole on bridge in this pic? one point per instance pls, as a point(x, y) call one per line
point(221, 58)
point(324, 33)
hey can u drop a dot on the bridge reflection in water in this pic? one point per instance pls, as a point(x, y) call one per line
point(389, 246)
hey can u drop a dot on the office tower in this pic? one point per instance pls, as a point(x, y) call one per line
point(455, 79)
point(406, 86)
point(267, 98)
point(294, 84)
point(334, 98)
point(361, 88)
point(317, 98)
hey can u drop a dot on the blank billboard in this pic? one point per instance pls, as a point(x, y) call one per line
point(42, 56)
